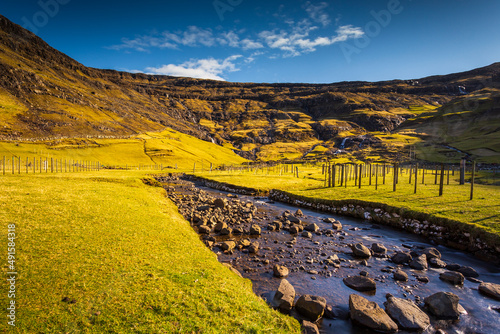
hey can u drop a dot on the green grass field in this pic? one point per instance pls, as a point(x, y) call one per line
point(483, 211)
point(167, 148)
point(121, 251)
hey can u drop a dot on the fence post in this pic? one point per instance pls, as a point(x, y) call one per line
point(416, 178)
point(383, 174)
point(376, 177)
point(360, 174)
point(472, 180)
point(334, 169)
point(441, 181)
point(395, 177)
point(370, 183)
point(462, 171)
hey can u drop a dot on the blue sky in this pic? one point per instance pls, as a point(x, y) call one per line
point(270, 41)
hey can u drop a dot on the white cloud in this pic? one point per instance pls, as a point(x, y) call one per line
point(298, 42)
point(299, 37)
point(209, 68)
point(317, 13)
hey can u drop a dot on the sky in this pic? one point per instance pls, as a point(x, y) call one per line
point(270, 41)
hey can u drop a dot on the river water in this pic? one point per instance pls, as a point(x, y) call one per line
point(305, 255)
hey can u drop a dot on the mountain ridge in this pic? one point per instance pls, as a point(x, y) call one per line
point(45, 93)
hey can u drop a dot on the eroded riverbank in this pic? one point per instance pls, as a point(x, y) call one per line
point(320, 259)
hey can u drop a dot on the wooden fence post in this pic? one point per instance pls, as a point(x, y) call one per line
point(416, 178)
point(370, 182)
point(360, 174)
point(376, 177)
point(395, 177)
point(333, 174)
point(462, 171)
point(441, 181)
point(472, 180)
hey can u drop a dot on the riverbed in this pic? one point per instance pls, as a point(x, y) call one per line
point(310, 274)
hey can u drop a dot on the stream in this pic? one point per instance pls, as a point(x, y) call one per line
point(309, 274)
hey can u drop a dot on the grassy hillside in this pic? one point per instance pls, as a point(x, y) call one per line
point(135, 266)
point(167, 148)
point(470, 124)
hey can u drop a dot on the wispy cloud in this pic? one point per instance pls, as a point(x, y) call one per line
point(209, 68)
point(298, 41)
point(317, 13)
point(300, 36)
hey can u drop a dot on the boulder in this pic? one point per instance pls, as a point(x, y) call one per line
point(219, 227)
point(203, 208)
point(298, 213)
point(244, 243)
point(294, 229)
point(284, 296)
point(219, 203)
point(400, 275)
point(379, 248)
point(407, 314)
point(255, 230)
point(361, 251)
point(419, 263)
point(401, 258)
point(254, 247)
point(432, 253)
point(280, 271)
point(293, 219)
point(336, 226)
point(437, 263)
point(228, 245)
point(311, 307)
point(443, 305)
point(452, 277)
point(360, 283)
point(307, 235)
point(204, 229)
point(369, 314)
point(312, 227)
point(238, 230)
point(468, 272)
point(309, 328)
point(226, 231)
point(490, 289)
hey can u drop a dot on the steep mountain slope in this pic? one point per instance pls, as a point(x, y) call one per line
point(46, 94)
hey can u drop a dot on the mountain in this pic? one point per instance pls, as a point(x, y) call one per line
point(46, 94)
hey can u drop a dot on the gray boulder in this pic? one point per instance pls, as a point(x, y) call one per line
point(311, 307)
point(400, 275)
point(361, 251)
point(407, 314)
point(432, 253)
point(490, 289)
point(437, 263)
point(307, 235)
point(468, 272)
point(228, 245)
point(254, 247)
point(452, 277)
point(443, 305)
point(280, 271)
point(219, 203)
point(360, 283)
point(369, 314)
point(255, 230)
point(379, 248)
point(284, 296)
point(419, 263)
point(204, 229)
point(401, 258)
point(309, 328)
point(312, 227)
